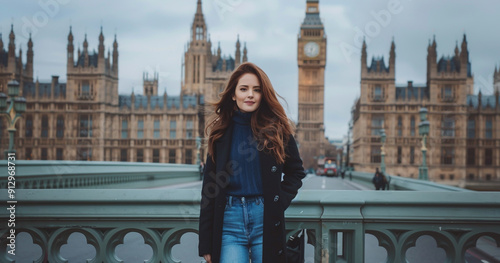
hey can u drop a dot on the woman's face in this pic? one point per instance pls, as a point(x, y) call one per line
point(248, 93)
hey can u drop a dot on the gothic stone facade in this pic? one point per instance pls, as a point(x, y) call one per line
point(86, 118)
point(464, 139)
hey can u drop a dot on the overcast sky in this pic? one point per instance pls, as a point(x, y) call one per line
point(152, 36)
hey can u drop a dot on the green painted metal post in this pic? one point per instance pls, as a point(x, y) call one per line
point(382, 153)
point(422, 172)
point(13, 112)
point(11, 143)
point(423, 130)
point(198, 146)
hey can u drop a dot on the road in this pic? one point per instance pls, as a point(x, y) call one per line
point(134, 250)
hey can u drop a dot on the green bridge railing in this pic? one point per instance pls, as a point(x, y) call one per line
point(82, 174)
point(49, 209)
point(337, 218)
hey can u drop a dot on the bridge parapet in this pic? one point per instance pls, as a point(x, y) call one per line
point(403, 183)
point(396, 218)
point(82, 174)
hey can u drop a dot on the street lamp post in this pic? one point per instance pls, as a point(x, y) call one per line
point(198, 146)
point(423, 130)
point(347, 164)
point(382, 153)
point(17, 106)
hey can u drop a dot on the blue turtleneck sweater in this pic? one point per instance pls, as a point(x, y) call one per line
point(245, 163)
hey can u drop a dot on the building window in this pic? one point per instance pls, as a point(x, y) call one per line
point(377, 93)
point(488, 132)
point(85, 125)
point(189, 129)
point(400, 154)
point(412, 126)
point(412, 155)
point(171, 156)
point(28, 154)
point(452, 177)
point(448, 127)
point(471, 156)
point(59, 154)
point(199, 33)
point(85, 88)
point(488, 157)
point(447, 93)
point(376, 154)
point(29, 126)
point(1, 128)
point(471, 128)
point(140, 129)
point(400, 126)
point(471, 177)
point(173, 129)
point(156, 129)
point(189, 156)
point(60, 127)
point(377, 124)
point(306, 136)
point(447, 155)
point(44, 154)
point(123, 155)
point(140, 155)
point(156, 155)
point(124, 129)
point(488, 177)
point(84, 154)
point(45, 126)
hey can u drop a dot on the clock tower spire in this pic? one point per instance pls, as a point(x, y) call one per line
point(311, 60)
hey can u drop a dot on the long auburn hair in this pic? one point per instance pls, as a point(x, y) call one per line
point(271, 127)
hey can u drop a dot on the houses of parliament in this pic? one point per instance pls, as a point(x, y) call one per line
point(463, 146)
point(86, 119)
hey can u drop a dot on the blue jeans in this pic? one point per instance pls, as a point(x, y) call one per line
point(242, 230)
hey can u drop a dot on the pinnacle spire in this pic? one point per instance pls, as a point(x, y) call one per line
point(199, 28)
point(245, 59)
point(101, 37)
point(11, 35)
point(70, 35)
point(198, 8)
point(30, 43)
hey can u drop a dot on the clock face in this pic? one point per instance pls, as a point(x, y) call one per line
point(311, 49)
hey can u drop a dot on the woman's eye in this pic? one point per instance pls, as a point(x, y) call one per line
point(243, 89)
point(257, 90)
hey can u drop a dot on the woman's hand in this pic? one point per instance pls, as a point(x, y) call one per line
point(208, 258)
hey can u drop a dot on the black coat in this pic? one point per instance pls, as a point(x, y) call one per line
point(277, 193)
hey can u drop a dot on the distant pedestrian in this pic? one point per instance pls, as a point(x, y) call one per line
point(385, 184)
point(378, 180)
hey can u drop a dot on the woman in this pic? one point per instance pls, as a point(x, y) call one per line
point(250, 145)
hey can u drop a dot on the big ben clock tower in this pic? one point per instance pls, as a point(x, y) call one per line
point(311, 60)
